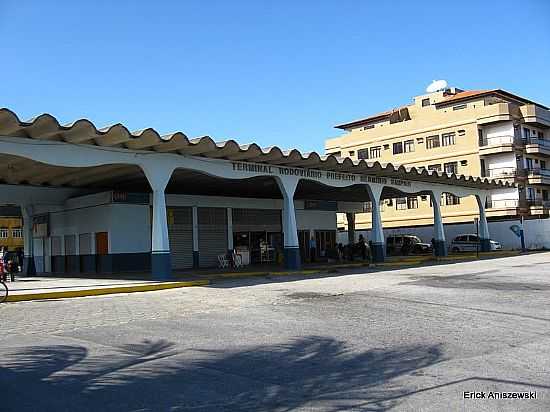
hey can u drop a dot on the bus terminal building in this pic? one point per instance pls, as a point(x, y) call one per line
point(110, 200)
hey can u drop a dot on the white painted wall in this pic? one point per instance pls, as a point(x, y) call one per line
point(315, 219)
point(500, 160)
point(496, 132)
point(128, 225)
point(537, 233)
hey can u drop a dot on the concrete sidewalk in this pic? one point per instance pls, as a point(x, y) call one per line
point(39, 288)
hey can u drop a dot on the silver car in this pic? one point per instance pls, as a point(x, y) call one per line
point(470, 243)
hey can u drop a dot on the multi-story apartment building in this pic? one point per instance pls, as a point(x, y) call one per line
point(491, 133)
point(11, 224)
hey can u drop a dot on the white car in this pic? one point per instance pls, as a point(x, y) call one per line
point(470, 243)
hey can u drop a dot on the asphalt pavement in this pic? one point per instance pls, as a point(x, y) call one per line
point(412, 339)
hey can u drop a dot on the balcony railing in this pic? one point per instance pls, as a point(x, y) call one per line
point(503, 203)
point(538, 203)
point(504, 173)
point(537, 141)
point(537, 171)
point(500, 140)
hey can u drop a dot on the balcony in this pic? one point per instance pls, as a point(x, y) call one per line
point(532, 113)
point(505, 173)
point(505, 207)
point(499, 144)
point(537, 146)
point(538, 206)
point(497, 112)
point(538, 176)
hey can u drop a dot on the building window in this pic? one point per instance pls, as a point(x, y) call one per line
point(450, 199)
point(425, 102)
point(540, 135)
point(460, 107)
point(447, 139)
point(436, 167)
point(420, 140)
point(401, 203)
point(545, 195)
point(412, 202)
point(389, 202)
point(375, 152)
point(4, 233)
point(432, 142)
point(526, 133)
point(369, 126)
point(480, 137)
point(463, 163)
point(397, 148)
point(461, 132)
point(17, 233)
point(543, 164)
point(363, 154)
point(352, 152)
point(451, 167)
point(529, 163)
point(408, 146)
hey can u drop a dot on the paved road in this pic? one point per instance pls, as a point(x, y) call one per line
point(405, 340)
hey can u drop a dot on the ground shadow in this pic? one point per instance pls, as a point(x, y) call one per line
point(153, 376)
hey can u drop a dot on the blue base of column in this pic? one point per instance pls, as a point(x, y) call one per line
point(28, 266)
point(161, 265)
point(377, 252)
point(292, 258)
point(484, 245)
point(195, 259)
point(440, 248)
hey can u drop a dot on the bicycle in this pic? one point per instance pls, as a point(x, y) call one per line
point(3, 291)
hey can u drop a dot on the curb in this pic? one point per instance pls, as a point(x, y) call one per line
point(104, 291)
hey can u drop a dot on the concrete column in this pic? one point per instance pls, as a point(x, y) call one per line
point(161, 266)
point(350, 217)
point(29, 268)
point(484, 237)
point(288, 185)
point(440, 248)
point(377, 232)
point(230, 245)
point(195, 237)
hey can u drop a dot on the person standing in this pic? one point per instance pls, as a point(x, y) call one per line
point(312, 248)
point(363, 247)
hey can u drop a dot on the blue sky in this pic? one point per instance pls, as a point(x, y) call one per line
point(274, 72)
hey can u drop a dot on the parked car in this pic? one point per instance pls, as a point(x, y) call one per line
point(406, 244)
point(470, 243)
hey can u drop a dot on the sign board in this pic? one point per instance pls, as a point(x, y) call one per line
point(131, 198)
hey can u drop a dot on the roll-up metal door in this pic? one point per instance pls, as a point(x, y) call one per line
point(256, 220)
point(180, 233)
point(212, 235)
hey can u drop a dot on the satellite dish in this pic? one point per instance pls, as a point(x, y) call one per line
point(436, 86)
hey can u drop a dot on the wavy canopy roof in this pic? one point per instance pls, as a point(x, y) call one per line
point(83, 131)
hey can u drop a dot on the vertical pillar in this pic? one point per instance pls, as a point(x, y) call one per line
point(484, 237)
point(291, 251)
point(350, 217)
point(29, 268)
point(195, 237)
point(230, 245)
point(161, 266)
point(377, 231)
point(440, 248)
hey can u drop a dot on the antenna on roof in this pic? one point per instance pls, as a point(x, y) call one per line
point(437, 86)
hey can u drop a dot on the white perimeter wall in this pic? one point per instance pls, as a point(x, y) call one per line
point(499, 130)
point(128, 225)
point(537, 233)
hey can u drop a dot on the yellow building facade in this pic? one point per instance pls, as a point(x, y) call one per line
point(489, 133)
point(11, 232)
